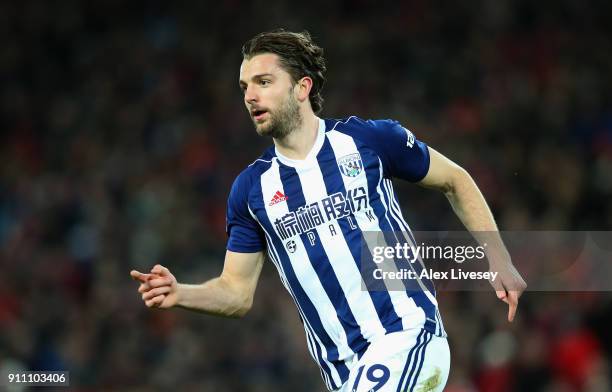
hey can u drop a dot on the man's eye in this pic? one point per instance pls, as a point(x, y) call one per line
point(264, 82)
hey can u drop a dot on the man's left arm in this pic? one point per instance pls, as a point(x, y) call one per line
point(470, 206)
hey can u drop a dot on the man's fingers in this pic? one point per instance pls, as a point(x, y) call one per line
point(139, 276)
point(502, 295)
point(511, 311)
point(511, 298)
point(160, 270)
point(154, 283)
point(512, 305)
point(154, 286)
point(160, 281)
point(155, 292)
point(155, 301)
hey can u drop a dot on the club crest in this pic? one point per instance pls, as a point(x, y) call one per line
point(350, 165)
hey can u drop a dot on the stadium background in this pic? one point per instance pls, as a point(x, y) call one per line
point(123, 128)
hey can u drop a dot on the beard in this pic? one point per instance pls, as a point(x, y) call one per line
point(282, 121)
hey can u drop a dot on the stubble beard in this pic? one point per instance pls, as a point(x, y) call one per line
point(282, 121)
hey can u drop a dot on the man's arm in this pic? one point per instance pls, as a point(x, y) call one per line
point(230, 295)
point(461, 191)
point(472, 209)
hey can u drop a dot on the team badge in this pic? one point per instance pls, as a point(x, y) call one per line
point(350, 165)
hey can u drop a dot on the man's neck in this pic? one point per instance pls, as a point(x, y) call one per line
point(300, 141)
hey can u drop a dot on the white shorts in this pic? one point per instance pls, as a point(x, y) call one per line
point(413, 360)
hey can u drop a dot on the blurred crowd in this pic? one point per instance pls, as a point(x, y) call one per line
point(123, 128)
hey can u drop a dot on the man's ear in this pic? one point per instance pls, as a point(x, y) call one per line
point(304, 86)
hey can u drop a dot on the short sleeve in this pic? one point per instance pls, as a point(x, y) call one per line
point(244, 233)
point(402, 154)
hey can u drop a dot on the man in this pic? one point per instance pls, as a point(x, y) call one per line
point(307, 201)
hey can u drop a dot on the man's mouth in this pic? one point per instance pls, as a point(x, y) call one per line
point(259, 114)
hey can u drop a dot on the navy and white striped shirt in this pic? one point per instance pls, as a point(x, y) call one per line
point(310, 215)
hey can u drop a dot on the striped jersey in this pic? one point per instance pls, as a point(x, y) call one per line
point(310, 215)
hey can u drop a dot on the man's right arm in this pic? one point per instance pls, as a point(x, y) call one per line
point(230, 295)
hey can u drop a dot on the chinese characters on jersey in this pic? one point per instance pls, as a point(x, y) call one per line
point(333, 207)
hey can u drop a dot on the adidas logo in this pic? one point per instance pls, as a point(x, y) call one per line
point(278, 197)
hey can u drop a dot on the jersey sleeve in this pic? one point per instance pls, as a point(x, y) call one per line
point(244, 233)
point(402, 155)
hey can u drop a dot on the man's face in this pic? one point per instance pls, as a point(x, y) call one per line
point(269, 96)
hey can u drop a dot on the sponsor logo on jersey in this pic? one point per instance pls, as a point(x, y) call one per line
point(333, 207)
point(277, 198)
point(350, 165)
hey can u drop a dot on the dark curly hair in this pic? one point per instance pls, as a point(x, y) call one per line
point(298, 54)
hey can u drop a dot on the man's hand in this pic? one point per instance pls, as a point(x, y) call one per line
point(508, 286)
point(158, 288)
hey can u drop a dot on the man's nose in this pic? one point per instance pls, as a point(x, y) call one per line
point(250, 95)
